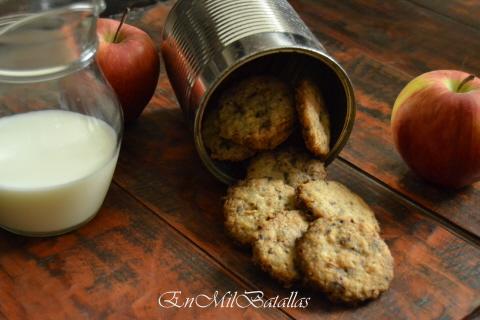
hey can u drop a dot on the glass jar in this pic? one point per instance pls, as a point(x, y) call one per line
point(60, 122)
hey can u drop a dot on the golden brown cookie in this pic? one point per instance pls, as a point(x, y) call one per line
point(314, 117)
point(250, 202)
point(274, 249)
point(258, 112)
point(220, 148)
point(290, 165)
point(324, 198)
point(349, 262)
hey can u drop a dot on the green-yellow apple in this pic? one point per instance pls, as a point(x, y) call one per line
point(436, 127)
point(130, 62)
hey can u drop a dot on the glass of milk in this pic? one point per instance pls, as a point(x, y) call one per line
point(60, 122)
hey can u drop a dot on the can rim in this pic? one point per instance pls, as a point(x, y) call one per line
point(317, 54)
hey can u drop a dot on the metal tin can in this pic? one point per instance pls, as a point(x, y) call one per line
point(209, 44)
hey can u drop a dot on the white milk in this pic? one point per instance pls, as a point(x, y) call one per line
point(55, 170)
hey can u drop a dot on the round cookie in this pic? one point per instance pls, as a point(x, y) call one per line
point(274, 249)
point(314, 118)
point(220, 148)
point(251, 202)
point(349, 262)
point(258, 112)
point(294, 167)
point(323, 198)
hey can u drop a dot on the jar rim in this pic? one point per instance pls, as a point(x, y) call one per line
point(48, 44)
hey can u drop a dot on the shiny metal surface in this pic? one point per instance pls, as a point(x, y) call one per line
point(208, 44)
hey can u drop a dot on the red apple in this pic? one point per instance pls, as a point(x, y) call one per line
point(436, 127)
point(130, 62)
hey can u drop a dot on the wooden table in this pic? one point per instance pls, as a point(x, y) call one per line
point(161, 228)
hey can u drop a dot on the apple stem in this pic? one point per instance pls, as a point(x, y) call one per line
point(122, 21)
point(467, 79)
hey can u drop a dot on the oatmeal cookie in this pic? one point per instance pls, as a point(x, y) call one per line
point(274, 249)
point(250, 202)
point(292, 166)
point(258, 113)
point(314, 118)
point(220, 148)
point(323, 198)
point(349, 262)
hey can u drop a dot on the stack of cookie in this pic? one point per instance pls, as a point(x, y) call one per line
point(302, 226)
point(260, 113)
point(299, 225)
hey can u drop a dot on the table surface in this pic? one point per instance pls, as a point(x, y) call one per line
point(161, 227)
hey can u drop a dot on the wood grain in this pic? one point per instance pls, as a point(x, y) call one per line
point(397, 33)
point(462, 11)
point(116, 267)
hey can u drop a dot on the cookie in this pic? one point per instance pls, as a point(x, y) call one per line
point(314, 118)
point(258, 113)
point(290, 165)
point(323, 198)
point(349, 262)
point(274, 249)
point(220, 148)
point(250, 202)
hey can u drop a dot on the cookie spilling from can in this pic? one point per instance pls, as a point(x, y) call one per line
point(299, 225)
point(270, 109)
point(260, 113)
point(248, 90)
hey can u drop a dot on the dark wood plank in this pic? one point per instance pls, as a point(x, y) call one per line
point(462, 11)
point(115, 267)
point(370, 147)
point(159, 167)
point(397, 33)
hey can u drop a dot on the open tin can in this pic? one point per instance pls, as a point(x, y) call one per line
point(209, 44)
